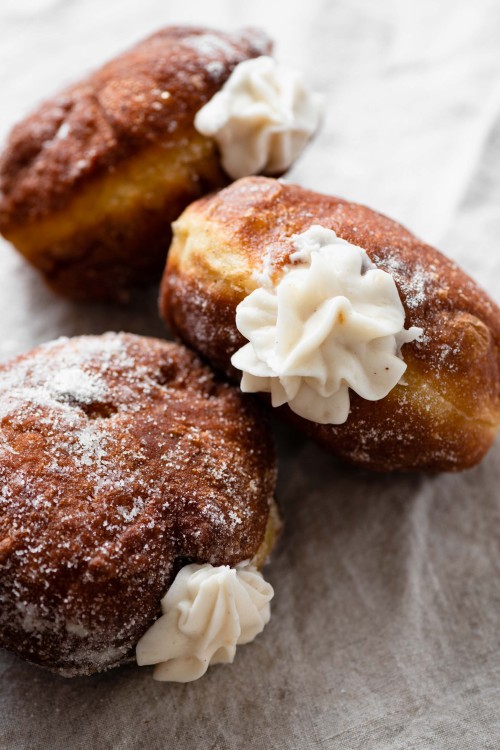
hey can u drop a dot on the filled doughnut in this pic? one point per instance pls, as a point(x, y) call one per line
point(130, 478)
point(90, 182)
point(372, 342)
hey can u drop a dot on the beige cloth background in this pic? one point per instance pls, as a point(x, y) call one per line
point(385, 632)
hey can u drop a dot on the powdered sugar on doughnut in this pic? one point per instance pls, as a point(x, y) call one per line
point(119, 457)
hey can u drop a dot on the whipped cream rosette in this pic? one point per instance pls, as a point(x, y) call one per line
point(262, 118)
point(330, 323)
point(207, 612)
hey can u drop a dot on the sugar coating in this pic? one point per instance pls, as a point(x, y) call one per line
point(120, 458)
point(445, 414)
point(146, 96)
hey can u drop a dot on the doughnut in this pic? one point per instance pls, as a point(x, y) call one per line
point(247, 245)
point(90, 182)
point(123, 462)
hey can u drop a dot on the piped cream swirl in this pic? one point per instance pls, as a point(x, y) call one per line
point(261, 119)
point(207, 612)
point(332, 321)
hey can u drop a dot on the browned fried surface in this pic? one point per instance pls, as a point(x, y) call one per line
point(446, 416)
point(116, 234)
point(90, 182)
point(121, 458)
point(145, 96)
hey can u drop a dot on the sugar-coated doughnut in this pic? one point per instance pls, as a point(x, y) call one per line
point(445, 412)
point(90, 182)
point(122, 459)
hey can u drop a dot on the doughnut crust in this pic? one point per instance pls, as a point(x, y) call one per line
point(448, 413)
point(90, 182)
point(122, 458)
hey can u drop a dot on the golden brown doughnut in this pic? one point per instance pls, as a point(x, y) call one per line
point(447, 415)
point(90, 182)
point(122, 458)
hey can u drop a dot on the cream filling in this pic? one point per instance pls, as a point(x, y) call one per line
point(207, 612)
point(331, 322)
point(261, 119)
